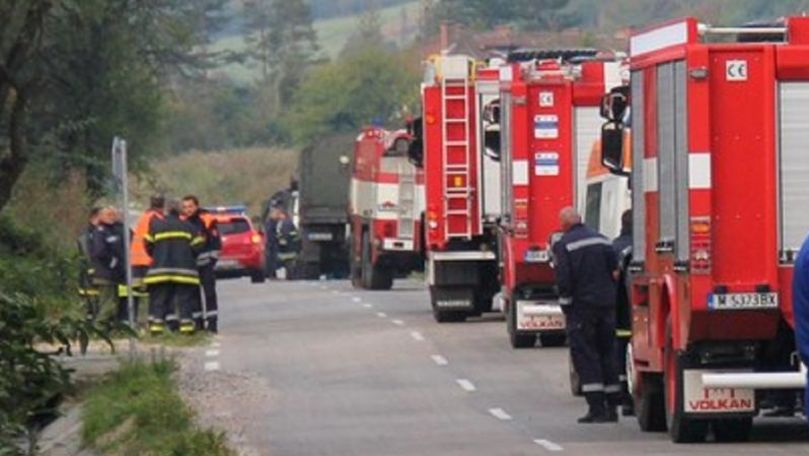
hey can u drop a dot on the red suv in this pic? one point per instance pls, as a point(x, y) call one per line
point(242, 245)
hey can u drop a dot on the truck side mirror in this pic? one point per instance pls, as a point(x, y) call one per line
point(613, 105)
point(415, 151)
point(491, 142)
point(612, 146)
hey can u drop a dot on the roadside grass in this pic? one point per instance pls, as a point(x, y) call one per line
point(137, 410)
point(170, 339)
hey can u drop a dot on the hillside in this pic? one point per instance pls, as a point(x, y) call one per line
point(399, 25)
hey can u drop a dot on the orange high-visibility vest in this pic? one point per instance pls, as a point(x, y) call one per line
point(138, 250)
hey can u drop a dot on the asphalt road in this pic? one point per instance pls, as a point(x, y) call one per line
point(370, 373)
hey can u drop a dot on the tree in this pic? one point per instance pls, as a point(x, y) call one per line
point(485, 14)
point(368, 32)
point(74, 73)
point(344, 96)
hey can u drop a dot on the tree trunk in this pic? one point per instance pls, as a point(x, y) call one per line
point(13, 163)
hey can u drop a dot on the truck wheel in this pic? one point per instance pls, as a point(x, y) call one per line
point(682, 429)
point(733, 430)
point(381, 278)
point(650, 408)
point(443, 315)
point(552, 340)
point(575, 380)
point(517, 340)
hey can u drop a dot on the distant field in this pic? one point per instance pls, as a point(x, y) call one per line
point(332, 35)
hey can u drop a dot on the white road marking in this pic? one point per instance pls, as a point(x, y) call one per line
point(548, 445)
point(398, 322)
point(417, 336)
point(212, 353)
point(215, 344)
point(466, 385)
point(367, 305)
point(356, 299)
point(440, 360)
point(212, 366)
point(500, 414)
point(382, 315)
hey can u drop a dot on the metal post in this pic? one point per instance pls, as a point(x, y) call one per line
point(119, 160)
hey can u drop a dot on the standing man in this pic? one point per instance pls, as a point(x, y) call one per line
point(173, 279)
point(586, 271)
point(288, 241)
point(800, 304)
point(141, 261)
point(622, 245)
point(107, 258)
point(204, 225)
point(84, 242)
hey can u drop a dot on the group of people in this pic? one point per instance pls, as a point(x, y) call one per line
point(589, 279)
point(173, 252)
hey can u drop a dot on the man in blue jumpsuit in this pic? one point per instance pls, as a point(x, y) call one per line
point(800, 304)
point(586, 269)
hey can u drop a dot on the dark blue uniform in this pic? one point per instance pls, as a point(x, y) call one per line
point(800, 304)
point(585, 262)
point(622, 245)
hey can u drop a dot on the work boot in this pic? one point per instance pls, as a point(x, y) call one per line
point(597, 412)
point(156, 328)
point(187, 327)
point(213, 326)
point(613, 401)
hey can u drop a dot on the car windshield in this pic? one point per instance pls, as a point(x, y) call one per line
point(234, 226)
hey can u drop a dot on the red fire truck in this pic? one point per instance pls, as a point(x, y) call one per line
point(462, 186)
point(550, 110)
point(385, 209)
point(719, 191)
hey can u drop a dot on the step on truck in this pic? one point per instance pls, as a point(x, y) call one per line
point(461, 184)
point(385, 206)
point(719, 168)
point(549, 104)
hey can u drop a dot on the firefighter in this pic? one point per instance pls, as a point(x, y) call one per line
point(287, 239)
point(87, 290)
point(622, 245)
point(204, 225)
point(800, 304)
point(173, 279)
point(107, 258)
point(586, 271)
point(139, 258)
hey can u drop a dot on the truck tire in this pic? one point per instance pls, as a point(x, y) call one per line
point(374, 277)
point(575, 380)
point(650, 409)
point(682, 429)
point(552, 340)
point(732, 430)
point(517, 340)
point(443, 315)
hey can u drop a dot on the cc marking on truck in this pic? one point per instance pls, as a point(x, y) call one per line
point(736, 70)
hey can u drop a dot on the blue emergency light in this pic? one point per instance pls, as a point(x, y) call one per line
point(240, 209)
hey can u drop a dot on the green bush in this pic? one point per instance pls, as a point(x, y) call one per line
point(137, 410)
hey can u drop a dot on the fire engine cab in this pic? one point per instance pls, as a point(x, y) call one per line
point(386, 201)
point(549, 104)
point(462, 185)
point(720, 124)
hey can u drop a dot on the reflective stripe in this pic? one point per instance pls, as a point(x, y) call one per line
point(622, 378)
point(172, 235)
point(573, 246)
point(148, 237)
point(135, 293)
point(151, 280)
point(565, 301)
point(176, 271)
point(623, 333)
point(113, 263)
point(89, 292)
point(212, 313)
point(197, 240)
point(171, 317)
point(196, 315)
point(612, 388)
point(592, 388)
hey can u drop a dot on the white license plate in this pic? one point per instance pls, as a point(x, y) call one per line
point(536, 256)
point(742, 301)
point(320, 236)
point(539, 317)
point(453, 303)
point(698, 399)
point(227, 264)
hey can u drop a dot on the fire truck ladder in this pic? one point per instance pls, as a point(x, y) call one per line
point(407, 199)
point(456, 155)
